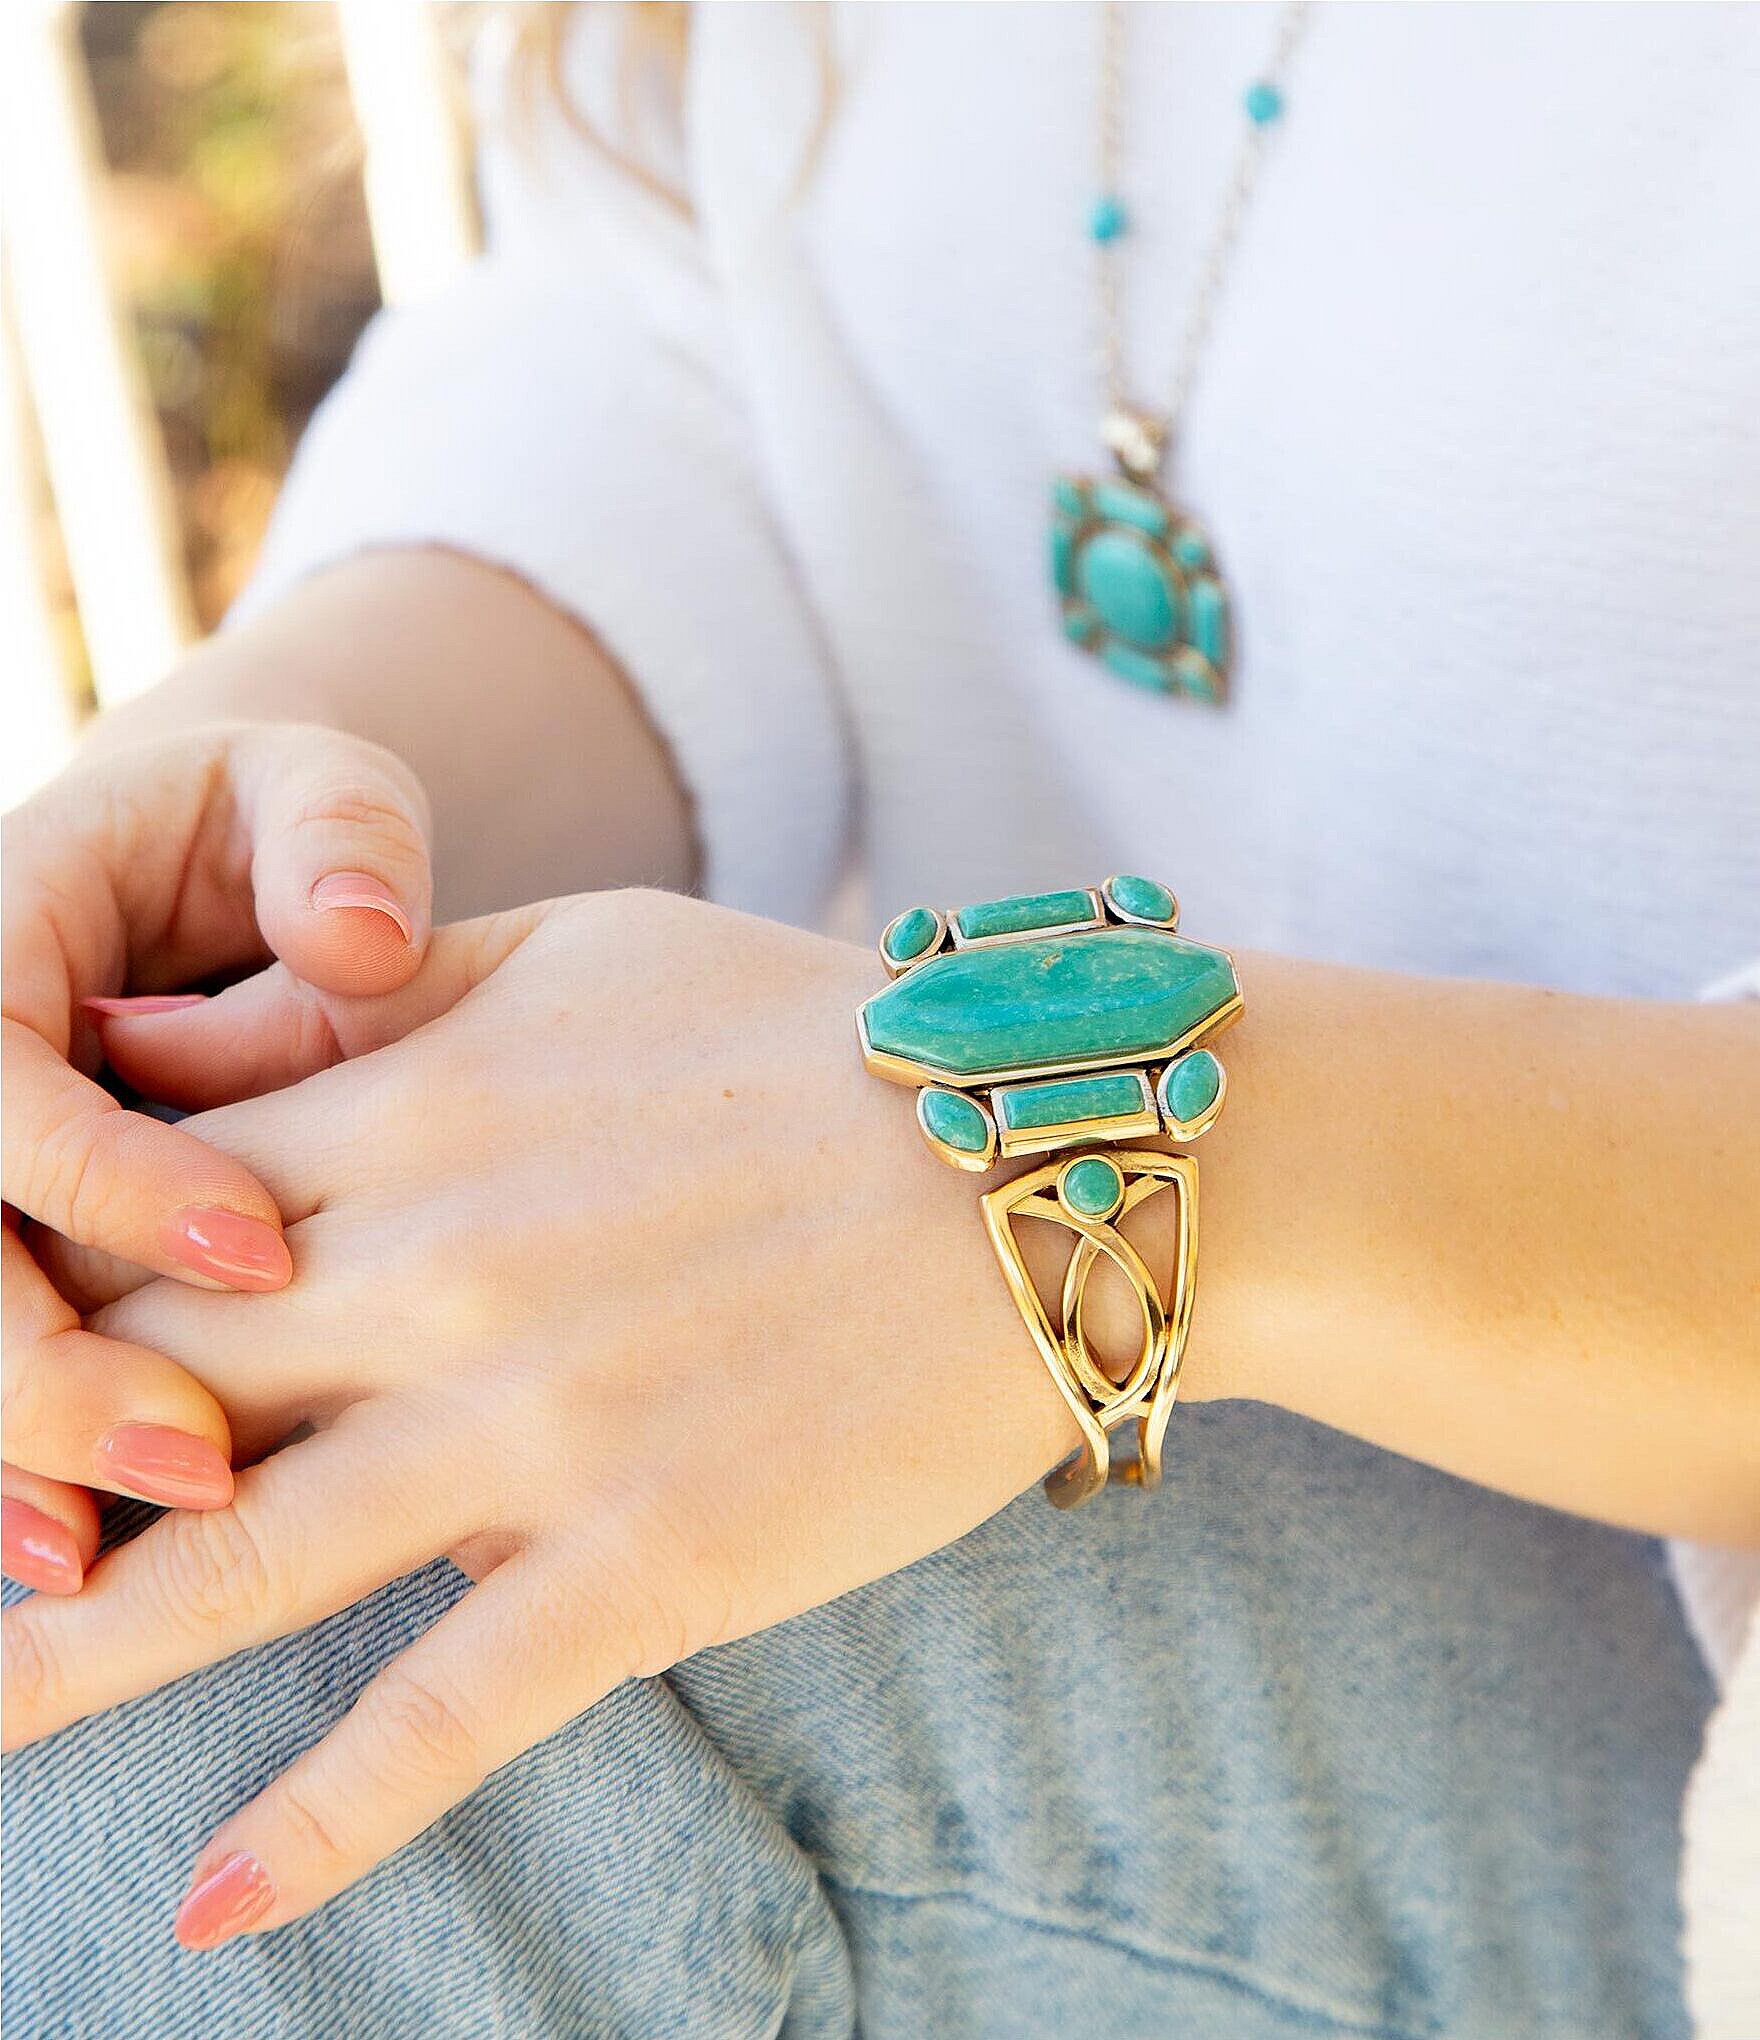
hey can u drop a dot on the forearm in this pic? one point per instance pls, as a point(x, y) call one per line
point(1509, 1232)
point(544, 774)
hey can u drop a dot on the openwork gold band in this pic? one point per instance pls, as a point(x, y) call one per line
point(1147, 1392)
point(1073, 1025)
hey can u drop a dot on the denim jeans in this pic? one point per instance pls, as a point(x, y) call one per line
point(1312, 1742)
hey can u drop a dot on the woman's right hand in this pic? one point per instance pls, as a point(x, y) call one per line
point(131, 877)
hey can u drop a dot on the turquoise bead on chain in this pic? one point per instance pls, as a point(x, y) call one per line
point(1108, 219)
point(1263, 102)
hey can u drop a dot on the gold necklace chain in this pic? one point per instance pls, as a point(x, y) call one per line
point(1140, 438)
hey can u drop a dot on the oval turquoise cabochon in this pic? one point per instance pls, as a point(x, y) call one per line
point(1057, 1002)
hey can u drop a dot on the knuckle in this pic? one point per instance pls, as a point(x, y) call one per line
point(65, 1187)
point(315, 1825)
point(22, 1400)
point(32, 1671)
point(212, 1572)
point(422, 1729)
point(315, 1042)
point(634, 1606)
point(372, 810)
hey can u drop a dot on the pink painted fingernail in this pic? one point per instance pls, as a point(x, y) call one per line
point(361, 889)
point(244, 1253)
point(37, 1551)
point(234, 1895)
point(164, 1465)
point(148, 1002)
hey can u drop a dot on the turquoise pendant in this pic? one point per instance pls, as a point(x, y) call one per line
point(1139, 588)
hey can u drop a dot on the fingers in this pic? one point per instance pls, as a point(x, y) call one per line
point(48, 1531)
point(272, 1030)
point(340, 865)
point(72, 1159)
point(313, 1529)
point(103, 1412)
point(138, 866)
point(503, 1669)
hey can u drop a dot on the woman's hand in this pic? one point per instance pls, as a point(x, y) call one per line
point(620, 1281)
point(131, 876)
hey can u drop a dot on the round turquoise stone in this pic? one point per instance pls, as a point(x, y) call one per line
point(1146, 898)
point(909, 935)
point(955, 1121)
point(1129, 588)
point(1108, 219)
point(1193, 1084)
point(1263, 102)
point(1092, 1187)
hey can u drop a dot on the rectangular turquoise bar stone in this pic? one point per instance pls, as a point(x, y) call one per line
point(1052, 1004)
point(1065, 1101)
point(1022, 914)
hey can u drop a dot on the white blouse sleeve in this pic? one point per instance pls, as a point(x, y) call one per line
point(1720, 1859)
point(570, 412)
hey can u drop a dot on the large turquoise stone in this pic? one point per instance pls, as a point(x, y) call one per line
point(1068, 1101)
point(1067, 1001)
point(1129, 588)
point(1023, 913)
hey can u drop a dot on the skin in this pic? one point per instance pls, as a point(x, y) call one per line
point(590, 1369)
point(188, 840)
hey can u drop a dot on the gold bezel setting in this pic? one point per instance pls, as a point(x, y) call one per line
point(1094, 918)
point(897, 966)
point(1046, 1140)
point(1172, 1124)
point(976, 1160)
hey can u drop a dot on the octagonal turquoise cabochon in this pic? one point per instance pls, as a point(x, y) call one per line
point(1065, 1002)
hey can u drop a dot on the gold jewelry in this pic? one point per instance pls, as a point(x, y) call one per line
point(1060, 1024)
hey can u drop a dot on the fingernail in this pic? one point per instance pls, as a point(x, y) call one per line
point(37, 1551)
point(234, 1895)
point(164, 1466)
point(361, 889)
point(148, 1002)
point(244, 1253)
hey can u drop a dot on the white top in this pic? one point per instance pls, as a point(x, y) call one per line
point(1477, 437)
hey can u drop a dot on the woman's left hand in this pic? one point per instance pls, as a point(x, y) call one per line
point(618, 1279)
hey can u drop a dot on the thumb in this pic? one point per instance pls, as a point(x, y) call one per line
point(340, 865)
point(274, 1029)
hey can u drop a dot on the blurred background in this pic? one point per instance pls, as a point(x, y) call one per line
point(200, 207)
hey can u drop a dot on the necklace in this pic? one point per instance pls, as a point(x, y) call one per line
point(1136, 578)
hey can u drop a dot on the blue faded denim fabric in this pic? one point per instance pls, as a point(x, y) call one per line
point(1314, 1742)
